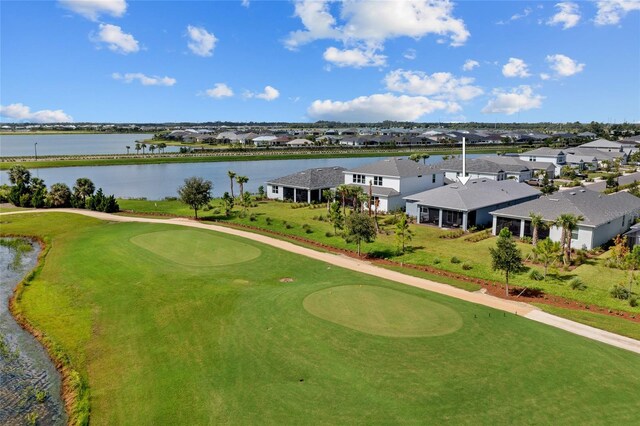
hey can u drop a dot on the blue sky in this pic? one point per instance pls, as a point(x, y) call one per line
point(302, 61)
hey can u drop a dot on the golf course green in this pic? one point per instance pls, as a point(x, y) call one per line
point(169, 325)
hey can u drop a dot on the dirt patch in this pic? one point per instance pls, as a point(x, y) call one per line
point(286, 280)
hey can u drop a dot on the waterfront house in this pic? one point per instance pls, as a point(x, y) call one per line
point(305, 186)
point(463, 206)
point(605, 216)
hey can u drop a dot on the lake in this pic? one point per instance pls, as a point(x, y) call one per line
point(23, 145)
point(157, 181)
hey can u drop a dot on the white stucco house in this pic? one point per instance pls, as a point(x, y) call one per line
point(305, 186)
point(392, 179)
point(557, 157)
point(605, 216)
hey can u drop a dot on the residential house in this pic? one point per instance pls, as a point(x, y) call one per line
point(464, 206)
point(393, 178)
point(305, 186)
point(605, 216)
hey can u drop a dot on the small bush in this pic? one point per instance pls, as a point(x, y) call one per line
point(526, 240)
point(577, 284)
point(479, 236)
point(455, 260)
point(252, 217)
point(268, 220)
point(308, 230)
point(619, 292)
point(436, 260)
point(467, 266)
point(328, 234)
point(288, 225)
point(171, 198)
point(633, 301)
point(456, 233)
point(536, 275)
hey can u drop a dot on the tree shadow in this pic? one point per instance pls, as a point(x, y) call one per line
point(382, 253)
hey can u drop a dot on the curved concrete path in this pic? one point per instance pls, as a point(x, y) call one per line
point(365, 267)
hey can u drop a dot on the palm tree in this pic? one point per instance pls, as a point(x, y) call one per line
point(143, 146)
point(232, 176)
point(537, 222)
point(128, 148)
point(568, 222)
point(152, 148)
point(162, 146)
point(137, 148)
point(83, 188)
point(241, 181)
point(328, 195)
point(343, 190)
point(548, 252)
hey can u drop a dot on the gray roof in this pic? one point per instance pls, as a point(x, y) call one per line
point(317, 178)
point(532, 165)
point(601, 143)
point(598, 154)
point(395, 167)
point(596, 207)
point(544, 152)
point(491, 165)
point(377, 191)
point(477, 193)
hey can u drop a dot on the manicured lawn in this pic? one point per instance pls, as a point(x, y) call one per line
point(161, 341)
point(426, 248)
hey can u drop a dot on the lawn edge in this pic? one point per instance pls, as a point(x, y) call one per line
point(75, 390)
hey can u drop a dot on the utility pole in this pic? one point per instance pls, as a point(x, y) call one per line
point(35, 150)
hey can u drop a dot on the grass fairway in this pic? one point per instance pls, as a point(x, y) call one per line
point(164, 342)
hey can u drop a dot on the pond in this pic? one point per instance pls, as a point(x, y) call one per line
point(29, 382)
point(157, 181)
point(82, 144)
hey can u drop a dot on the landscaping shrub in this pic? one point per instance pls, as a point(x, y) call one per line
point(268, 220)
point(328, 234)
point(479, 236)
point(456, 233)
point(536, 275)
point(577, 284)
point(252, 217)
point(467, 266)
point(633, 301)
point(455, 260)
point(619, 292)
point(526, 240)
point(436, 260)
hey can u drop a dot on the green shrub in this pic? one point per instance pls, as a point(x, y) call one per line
point(577, 284)
point(328, 234)
point(252, 217)
point(436, 260)
point(455, 260)
point(268, 220)
point(526, 240)
point(633, 301)
point(467, 266)
point(536, 275)
point(619, 292)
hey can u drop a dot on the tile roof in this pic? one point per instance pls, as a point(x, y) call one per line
point(596, 207)
point(477, 193)
point(316, 178)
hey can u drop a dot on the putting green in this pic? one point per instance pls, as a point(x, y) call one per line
point(196, 248)
point(382, 311)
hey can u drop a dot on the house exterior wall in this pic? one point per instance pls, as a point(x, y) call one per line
point(608, 231)
point(275, 196)
point(412, 209)
point(557, 161)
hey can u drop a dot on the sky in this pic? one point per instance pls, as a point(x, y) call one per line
point(304, 61)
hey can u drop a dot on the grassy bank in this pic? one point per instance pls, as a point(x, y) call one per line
point(178, 326)
point(134, 159)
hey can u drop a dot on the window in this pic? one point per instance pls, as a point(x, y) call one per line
point(574, 234)
point(275, 189)
point(433, 178)
point(377, 180)
point(358, 178)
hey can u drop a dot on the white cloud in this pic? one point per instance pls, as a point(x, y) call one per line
point(245, 3)
point(510, 102)
point(410, 54)
point(20, 112)
point(219, 91)
point(356, 58)
point(116, 40)
point(515, 68)
point(470, 64)
point(268, 94)
point(545, 76)
point(526, 12)
point(378, 107)
point(568, 15)
point(610, 12)
point(144, 79)
point(202, 42)
point(92, 9)
point(563, 65)
point(370, 24)
point(440, 85)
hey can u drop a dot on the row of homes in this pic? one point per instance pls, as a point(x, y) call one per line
point(495, 196)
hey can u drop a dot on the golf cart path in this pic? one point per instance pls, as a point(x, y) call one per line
point(514, 307)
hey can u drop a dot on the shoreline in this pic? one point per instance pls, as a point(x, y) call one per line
point(137, 159)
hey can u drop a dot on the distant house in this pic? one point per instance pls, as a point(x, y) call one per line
point(264, 140)
point(557, 157)
point(305, 186)
point(463, 206)
point(487, 168)
point(299, 143)
point(605, 216)
point(393, 178)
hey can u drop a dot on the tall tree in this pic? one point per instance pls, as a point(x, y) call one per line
point(152, 148)
point(143, 146)
point(403, 232)
point(196, 193)
point(506, 257)
point(336, 217)
point(137, 147)
point(162, 146)
point(342, 191)
point(128, 148)
point(568, 222)
point(228, 202)
point(328, 195)
point(83, 188)
point(19, 175)
point(537, 222)
point(359, 228)
point(547, 252)
point(232, 176)
point(38, 192)
point(241, 181)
